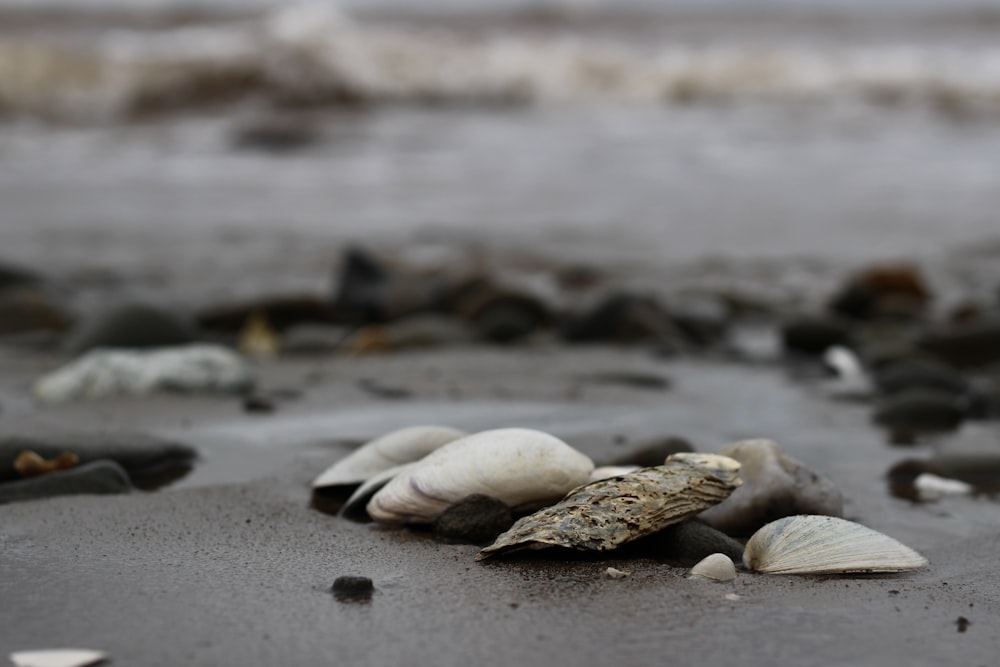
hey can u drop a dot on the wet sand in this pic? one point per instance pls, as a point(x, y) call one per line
point(212, 572)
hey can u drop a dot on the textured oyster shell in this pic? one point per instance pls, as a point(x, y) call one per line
point(605, 514)
point(812, 544)
point(388, 451)
point(521, 467)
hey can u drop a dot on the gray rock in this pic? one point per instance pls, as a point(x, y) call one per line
point(27, 310)
point(918, 412)
point(351, 588)
point(918, 373)
point(98, 477)
point(149, 461)
point(476, 519)
point(131, 326)
point(774, 485)
point(689, 542)
point(813, 335)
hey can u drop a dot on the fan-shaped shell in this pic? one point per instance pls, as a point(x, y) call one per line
point(388, 451)
point(515, 465)
point(610, 512)
point(717, 567)
point(355, 505)
point(812, 544)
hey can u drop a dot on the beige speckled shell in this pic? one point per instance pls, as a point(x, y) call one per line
point(605, 514)
point(812, 544)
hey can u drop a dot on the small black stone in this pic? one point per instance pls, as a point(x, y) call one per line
point(476, 519)
point(918, 412)
point(812, 336)
point(689, 542)
point(350, 587)
point(257, 404)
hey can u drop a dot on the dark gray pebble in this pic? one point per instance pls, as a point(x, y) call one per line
point(973, 344)
point(149, 461)
point(352, 588)
point(653, 453)
point(131, 326)
point(256, 404)
point(625, 318)
point(476, 519)
point(97, 477)
point(907, 374)
point(689, 542)
point(915, 412)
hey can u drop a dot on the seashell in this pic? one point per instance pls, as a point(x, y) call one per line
point(355, 506)
point(608, 513)
point(520, 467)
point(604, 472)
point(61, 657)
point(391, 450)
point(717, 567)
point(813, 544)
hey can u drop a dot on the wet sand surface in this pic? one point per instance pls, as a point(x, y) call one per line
point(232, 566)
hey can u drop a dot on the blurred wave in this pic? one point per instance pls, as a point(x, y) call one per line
point(317, 56)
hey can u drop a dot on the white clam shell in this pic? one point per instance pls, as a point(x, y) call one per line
point(514, 465)
point(355, 505)
point(388, 451)
point(62, 657)
point(717, 567)
point(812, 544)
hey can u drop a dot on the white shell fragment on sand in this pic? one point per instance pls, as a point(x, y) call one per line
point(615, 573)
point(605, 514)
point(188, 368)
point(388, 451)
point(716, 567)
point(520, 467)
point(65, 657)
point(812, 544)
point(933, 487)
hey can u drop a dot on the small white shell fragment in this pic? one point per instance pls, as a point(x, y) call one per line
point(388, 451)
point(716, 567)
point(932, 487)
point(813, 544)
point(605, 472)
point(613, 573)
point(187, 368)
point(733, 597)
point(64, 657)
point(520, 467)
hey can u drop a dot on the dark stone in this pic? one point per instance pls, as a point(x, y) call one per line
point(967, 345)
point(882, 292)
point(476, 519)
point(916, 412)
point(907, 374)
point(687, 543)
point(813, 335)
point(496, 314)
point(984, 400)
point(361, 288)
point(653, 453)
point(702, 320)
point(150, 462)
point(97, 477)
point(624, 318)
point(132, 326)
point(12, 275)
point(256, 404)
point(981, 471)
point(276, 134)
point(383, 390)
point(635, 380)
point(28, 310)
point(352, 588)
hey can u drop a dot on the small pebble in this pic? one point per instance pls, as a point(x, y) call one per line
point(255, 404)
point(613, 573)
point(352, 588)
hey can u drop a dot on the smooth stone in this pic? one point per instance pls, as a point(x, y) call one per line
point(627, 319)
point(980, 471)
point(907, 374)
point(702, 319)
point(967, 345)
point(476, 519)
point(689, 542)
point(984, 400)
point(97, 477)
point(917, 412)
point(652, 453)
point(715, 567)
point(13, 275)
point(276, 134)
point(500, 315)
point(368, 291)
point(149, 461)
point(774, 486)
point(352, 588)
point(813, 335)
point(131, 326)
point(28, 310)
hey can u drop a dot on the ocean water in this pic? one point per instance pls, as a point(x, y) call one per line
point(758, 141)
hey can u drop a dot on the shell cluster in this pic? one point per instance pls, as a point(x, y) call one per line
point(411, 476)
